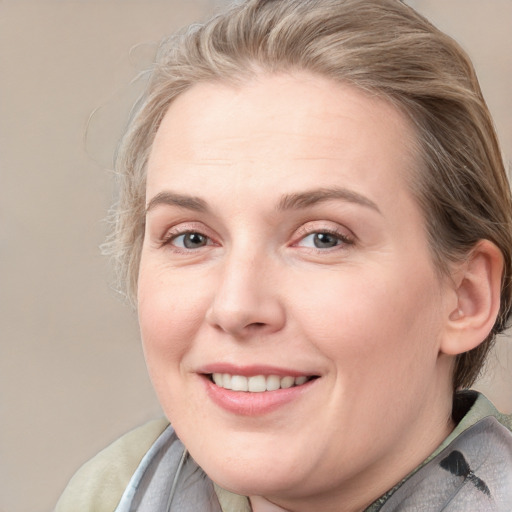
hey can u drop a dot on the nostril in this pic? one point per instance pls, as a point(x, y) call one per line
point(256, 325)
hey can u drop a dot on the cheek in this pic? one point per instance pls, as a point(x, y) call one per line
point(171, 310)
point(374, 320)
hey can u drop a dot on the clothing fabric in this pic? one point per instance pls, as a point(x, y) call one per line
point(150, 470)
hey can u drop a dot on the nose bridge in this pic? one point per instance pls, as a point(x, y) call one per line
point(245, 299)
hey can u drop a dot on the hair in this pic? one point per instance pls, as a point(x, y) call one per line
point(380, 46)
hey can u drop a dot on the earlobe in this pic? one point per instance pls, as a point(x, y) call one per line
point(478, 288)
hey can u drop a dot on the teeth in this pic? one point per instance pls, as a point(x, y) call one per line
point(239, 383)
point(226, 381)
point(258, 383)
point(287, 382)
point(273, 383)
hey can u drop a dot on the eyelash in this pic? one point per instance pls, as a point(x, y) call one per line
point(344, 240)
point(302, 234)
point(173, 235)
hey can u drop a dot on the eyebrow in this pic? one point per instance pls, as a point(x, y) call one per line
point(180, 200)
point(311, 197)
point(295, 201)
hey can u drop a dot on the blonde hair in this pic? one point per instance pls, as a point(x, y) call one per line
point(381, 46)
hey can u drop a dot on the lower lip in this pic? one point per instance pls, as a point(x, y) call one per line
point(254, 404)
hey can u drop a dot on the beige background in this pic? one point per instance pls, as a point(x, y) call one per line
point(72, 377)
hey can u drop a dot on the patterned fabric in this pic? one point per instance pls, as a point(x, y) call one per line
point(470, 472)
point(152, 490)
point(474, 473)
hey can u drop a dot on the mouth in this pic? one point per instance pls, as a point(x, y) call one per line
point(257, 383)
point(255, 391)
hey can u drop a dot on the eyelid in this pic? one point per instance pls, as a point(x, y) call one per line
point(172, 239)
point(184, 228)
point(309, 228)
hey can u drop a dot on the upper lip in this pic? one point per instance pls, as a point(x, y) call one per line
point(252, 370)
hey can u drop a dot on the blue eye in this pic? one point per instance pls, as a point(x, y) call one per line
point(322, 240)
point(190, 241)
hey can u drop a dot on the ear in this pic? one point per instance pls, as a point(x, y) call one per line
point(477, 286)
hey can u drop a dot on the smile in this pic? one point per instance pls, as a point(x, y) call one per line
point(257, 390)
point(257, 383)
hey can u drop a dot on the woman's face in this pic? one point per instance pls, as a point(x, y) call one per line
point(284, 248)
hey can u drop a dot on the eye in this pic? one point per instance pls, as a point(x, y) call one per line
point(190, 240)
point(323, 240)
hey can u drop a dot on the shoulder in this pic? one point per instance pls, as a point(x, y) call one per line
point(470, 470)
point(99, 484)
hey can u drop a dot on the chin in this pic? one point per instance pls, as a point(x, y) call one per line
point(254, 475)
point(255, 483)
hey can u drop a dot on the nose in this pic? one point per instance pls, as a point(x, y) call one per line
point(246, 301)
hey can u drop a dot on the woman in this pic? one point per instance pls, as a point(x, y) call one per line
point(315, 225)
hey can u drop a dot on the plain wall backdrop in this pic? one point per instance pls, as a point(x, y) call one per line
point(72, 375)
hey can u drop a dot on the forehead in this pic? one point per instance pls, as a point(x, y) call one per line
point(285, 130)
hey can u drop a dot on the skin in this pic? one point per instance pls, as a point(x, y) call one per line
point(368, 315)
